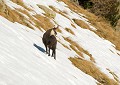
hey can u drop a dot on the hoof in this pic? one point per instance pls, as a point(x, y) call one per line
point(46, 52)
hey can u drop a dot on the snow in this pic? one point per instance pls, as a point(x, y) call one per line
point(12, 5)
point(22, 57)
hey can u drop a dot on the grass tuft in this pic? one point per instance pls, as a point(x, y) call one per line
point(69, 30)
point(48, 12)
point(81, 24)
point(20, 2)
point(79, 50)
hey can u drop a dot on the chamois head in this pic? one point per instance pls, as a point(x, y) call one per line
point(53, 31)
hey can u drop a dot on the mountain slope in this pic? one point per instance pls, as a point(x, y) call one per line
point(22, 57)
point(22, 63)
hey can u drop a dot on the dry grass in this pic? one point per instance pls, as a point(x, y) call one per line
point(48, 12)
point(79, 50)
point(15, 16)
point(90, 69)
point(31, 19)
point(40, 21)
point(73, 25)
point(114, 75)
point(58, 30)
point(44, 22)
point(2, 6)
point(20, 2)
point(69, 30)
point(81, 24)
point(23, 11)
point(105, 30)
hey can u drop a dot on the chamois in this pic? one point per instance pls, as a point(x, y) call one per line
point(50, 41)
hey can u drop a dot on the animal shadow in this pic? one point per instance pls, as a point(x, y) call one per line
point(39, 48)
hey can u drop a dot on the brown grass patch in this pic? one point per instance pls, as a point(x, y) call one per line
point(48, 12)
point(58, 30)
point(2, 6)
point(69, 30)
point(90, 69)
point(79, 49)
point(81, 24)
point(114, 75)
point(15, 16)
point(105, 30)
point(23, 11)
point(44, 22)
point(31, 19)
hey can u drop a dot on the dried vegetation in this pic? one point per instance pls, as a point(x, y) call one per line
point(90, 69)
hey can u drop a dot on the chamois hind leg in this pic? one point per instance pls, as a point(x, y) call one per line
point(49, 52)
point(54, 54)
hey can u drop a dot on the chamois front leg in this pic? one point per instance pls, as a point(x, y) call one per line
point(46, 49)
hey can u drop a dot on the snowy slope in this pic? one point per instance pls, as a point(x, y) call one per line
point(22, 57)
point(22, 63)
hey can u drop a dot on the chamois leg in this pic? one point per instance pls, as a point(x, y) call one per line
point(49, 52)
point(54, 54)
point(46, 49)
